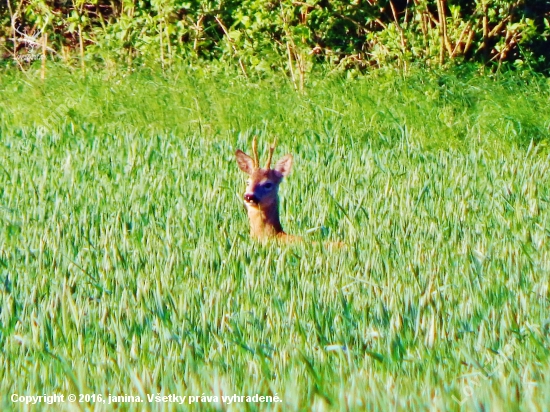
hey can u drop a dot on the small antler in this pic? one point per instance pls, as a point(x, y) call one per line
point(255, 152)
point(271, 150)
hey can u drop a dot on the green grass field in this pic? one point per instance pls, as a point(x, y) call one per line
point(126, 266)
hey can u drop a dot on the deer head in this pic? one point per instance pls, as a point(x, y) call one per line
point(261, 195)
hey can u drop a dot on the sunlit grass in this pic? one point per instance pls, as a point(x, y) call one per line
point(126, 267)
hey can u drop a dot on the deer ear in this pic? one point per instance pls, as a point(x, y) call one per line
point(284, 165)
point(245, 162)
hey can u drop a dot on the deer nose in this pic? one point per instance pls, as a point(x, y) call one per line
point(250, 198)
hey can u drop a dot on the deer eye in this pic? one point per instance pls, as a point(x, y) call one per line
point(268, 186)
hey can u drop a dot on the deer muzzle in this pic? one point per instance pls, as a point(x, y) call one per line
point(250, 198)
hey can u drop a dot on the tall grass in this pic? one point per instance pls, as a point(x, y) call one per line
point(126, 267)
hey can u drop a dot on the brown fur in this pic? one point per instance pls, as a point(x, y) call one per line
point(261, 197)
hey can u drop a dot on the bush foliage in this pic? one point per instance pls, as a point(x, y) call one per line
point(292, 36)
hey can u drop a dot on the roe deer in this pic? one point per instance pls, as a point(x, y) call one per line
point(261, 197)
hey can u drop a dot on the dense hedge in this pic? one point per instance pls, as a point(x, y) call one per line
point(287, 35)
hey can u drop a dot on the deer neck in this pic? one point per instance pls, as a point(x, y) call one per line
point(264, 221)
